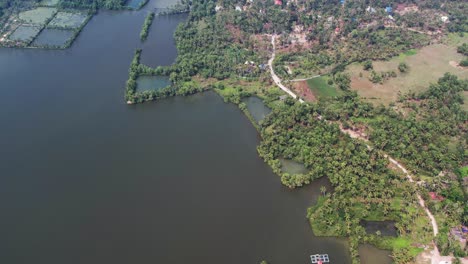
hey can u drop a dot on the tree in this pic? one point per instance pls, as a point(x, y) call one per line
point(463, 49)
point(323, 190)
point(343, 81)
point(368, 65)
point(403, 67)
point(464, 63)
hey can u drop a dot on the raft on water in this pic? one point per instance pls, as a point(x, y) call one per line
point(319, 258)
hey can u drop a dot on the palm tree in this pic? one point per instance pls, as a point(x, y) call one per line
point(323, 190)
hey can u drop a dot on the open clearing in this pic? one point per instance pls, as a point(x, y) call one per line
point(68, 20)
point(38, 15)
point(25, 33)
point(320, 87)
point(425, 67)
point(49, 2)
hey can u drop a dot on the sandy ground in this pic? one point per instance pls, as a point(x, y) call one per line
point(302, 89)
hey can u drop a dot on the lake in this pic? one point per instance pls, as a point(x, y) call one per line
point(89, 179)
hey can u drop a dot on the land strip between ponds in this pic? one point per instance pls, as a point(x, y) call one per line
point(435, 258)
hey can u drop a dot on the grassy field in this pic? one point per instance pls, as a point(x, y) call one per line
point(426, 66)
point(38, 16)
point(320, 87)
point(67, 20)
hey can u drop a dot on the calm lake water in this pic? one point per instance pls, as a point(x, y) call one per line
point(89, 179)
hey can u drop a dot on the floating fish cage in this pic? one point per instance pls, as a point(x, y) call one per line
point(320, 258)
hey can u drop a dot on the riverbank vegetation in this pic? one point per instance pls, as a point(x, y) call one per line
point(146, 26)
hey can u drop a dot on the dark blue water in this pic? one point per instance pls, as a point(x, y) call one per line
point(88, 179)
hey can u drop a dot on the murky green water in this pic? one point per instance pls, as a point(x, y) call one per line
point(256, 108)
point(146, 83)
point(372, 255)
point(292, 167)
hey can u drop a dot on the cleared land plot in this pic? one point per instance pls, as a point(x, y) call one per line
point(320, 87)
point(53, 38)
point(426, 66)
point(68, 20)
point(25, 33)
point(38, 15)
point(49, 2)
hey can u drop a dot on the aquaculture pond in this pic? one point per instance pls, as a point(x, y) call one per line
point(134, 4)
point(38, 16)
point(25, 33)
point(292, 167)
point(68, 20)
point(53, 37)
point(386, 228)
point(256, 108)
point(49, 2)
point(89, 179)
point(146, 83)
point(372, 255)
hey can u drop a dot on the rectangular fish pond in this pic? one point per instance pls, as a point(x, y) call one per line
point(25, 33)
point(292, 167)
point(68, 20)
point(37, 16)
point(256, 108)
point(386, 228)
point(135, 4)
point(54, 38)
point(151, 83)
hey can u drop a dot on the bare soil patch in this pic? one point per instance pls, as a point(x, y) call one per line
point(302, 90)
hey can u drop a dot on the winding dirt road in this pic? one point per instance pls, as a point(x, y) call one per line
point(275, 77)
